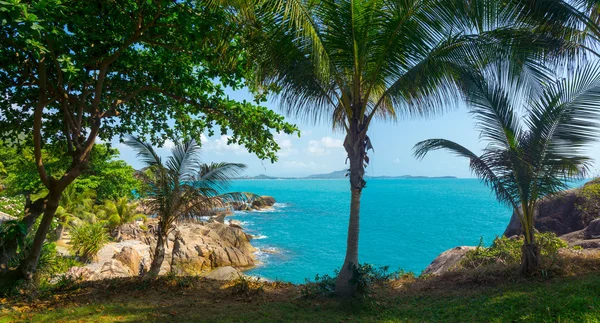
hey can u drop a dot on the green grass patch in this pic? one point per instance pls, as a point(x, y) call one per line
point(567, 299)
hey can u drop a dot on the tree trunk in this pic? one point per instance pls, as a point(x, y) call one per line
point(345, 285)
point(29, 264)
point(530, 259)
point(9, 248)
point(159, 254)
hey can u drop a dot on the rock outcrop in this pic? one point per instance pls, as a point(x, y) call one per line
point(223, 273)
point(198, 248)
point(558, 214)
point(192, 248)
point(447, 260)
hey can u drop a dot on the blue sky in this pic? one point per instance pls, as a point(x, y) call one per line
point(319, 149)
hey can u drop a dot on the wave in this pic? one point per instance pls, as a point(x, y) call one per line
point(259, 237)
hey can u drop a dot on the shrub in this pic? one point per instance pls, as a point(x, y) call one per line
point(366, 276)
point(247, 286)
point(87, 239)
point(507, 251)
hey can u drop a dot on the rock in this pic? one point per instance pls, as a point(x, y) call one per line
point(263, 202)
point(268, 200)
point(130, 258)
point(447, 260)
point(558, 214)
point(78, 274)
point(5, 217)
point(235, 224)
point(223, 273)
point(199, 248)
point(113, 269)
point(593, 230)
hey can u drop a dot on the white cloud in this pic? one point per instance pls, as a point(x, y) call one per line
point(396, 161)
point(323, 146)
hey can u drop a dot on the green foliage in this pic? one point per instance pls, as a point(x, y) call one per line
point(161, 77)
point(87, 239)
point(507, 251)
point(12, 205)
point(75, 205)
point(118, 212)
point(589, 203)
point(366, 276)
point(12, 230)
point(246, 286)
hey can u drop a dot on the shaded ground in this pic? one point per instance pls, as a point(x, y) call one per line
point(571, 299)
point(478, 296)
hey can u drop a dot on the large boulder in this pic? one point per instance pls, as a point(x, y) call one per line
point(201, 247)
point(130, 258)
point(113, 269)
point(263, 202)
point(223, 273)
point(447, 260)
point(559, 214)
point(593, 230)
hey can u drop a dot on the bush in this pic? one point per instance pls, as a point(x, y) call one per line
point(366, 276)
point(87, 239)
point(13, 206)
point(508, 252)
point(247, 286)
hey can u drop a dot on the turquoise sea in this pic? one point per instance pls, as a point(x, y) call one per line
point(405, 223)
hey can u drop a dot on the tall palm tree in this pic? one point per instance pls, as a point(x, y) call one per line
point(119, 212)
point(73, 206)
point(352, 62)
point(532, 155)
point(182, 187)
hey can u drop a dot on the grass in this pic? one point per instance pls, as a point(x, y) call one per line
point(560, 299)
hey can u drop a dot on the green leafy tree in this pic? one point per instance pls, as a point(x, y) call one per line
point(532, 155)
point(354, 62)
point(182, 187)
point(151, 69)
point(119, 212)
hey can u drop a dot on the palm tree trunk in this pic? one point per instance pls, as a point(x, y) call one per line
point(530, 253)
point(29, 264)
point(159, 254)
point(345, 285)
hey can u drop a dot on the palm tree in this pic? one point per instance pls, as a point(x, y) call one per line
point(532, 155)
point(182, 187)
point(74, 206)
point(119, 212)
point(352, 62)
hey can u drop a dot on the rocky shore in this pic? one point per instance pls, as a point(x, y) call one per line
point(573, 215)
point(216, 248)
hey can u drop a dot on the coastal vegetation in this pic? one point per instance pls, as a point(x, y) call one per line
point(182, 187)
point(534, 155)
point(353, 62)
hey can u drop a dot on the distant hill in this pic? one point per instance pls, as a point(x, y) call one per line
point(332, 175)
point(341, 174)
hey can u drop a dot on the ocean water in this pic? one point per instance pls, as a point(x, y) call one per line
point(405, 223)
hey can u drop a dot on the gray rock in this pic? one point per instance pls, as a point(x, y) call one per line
point(447, 260)
point(593, 230)
point(223, 273)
